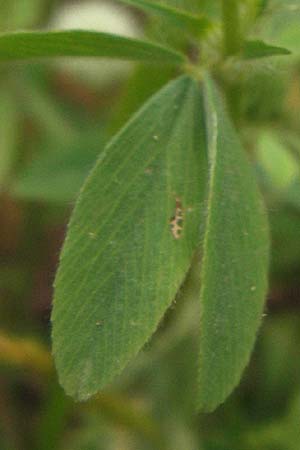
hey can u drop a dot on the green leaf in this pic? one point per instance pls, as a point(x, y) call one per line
point(37, 102)
point(285, 225)
point(235, 260)
point(277, 163)
point(8, 135)
point(123, 263)
point(57, 173)
point(281, 26)
point(196, 23)
point(16, 15)
point(28, 45)
point(259, 49)
point(278, 167)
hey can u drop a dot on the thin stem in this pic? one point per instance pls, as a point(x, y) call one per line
point(231, 27)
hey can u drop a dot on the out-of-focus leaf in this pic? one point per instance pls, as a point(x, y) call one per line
point(53, 418)
point(279, 434)
point(8, 134)
point(285, 226)
point(280, 166)
point(195, 23)
point(234, 263)
point(44, 109)
point(29, 45)
point(292, 423)
point(57, 173)
point(94, 433)
point(125, 255)
point(292, 195)
point(259, 49)
point(279, 360)
point(25, 14)
point(263, 97)
point(192, 6)
point(281, 26)
point(16, 15)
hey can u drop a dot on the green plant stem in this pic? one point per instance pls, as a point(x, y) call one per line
point(231, 27)
point(232, 44)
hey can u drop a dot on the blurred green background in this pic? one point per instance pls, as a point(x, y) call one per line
point(55, 118)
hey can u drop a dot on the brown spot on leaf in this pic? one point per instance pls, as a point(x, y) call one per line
point(176, 222)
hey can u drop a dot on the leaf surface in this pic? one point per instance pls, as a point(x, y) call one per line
point(122, 262)
point(277, 164)
point(8, 135)
point(196, 23)
point(281, 27)
point(28, 45)
point(57, 172)
point(259, 49)
point(235, 260)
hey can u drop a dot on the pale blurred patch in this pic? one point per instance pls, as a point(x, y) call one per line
point(95, 16)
